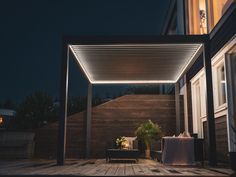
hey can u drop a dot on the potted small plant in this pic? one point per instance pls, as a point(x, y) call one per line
point(147, 132)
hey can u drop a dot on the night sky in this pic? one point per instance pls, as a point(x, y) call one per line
point(31, 34)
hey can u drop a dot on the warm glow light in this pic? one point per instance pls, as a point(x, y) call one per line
point(125, 145)
point(1, 120)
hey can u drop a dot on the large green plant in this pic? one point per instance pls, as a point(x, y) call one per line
point(147, 132)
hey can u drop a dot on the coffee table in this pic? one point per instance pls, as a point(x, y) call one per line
point(112, 154)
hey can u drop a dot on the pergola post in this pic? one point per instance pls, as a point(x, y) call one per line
point(63, 105)
point(185, 105)
point(210, 105)
point(180, 17)
point(88, 120)
point(177, 108)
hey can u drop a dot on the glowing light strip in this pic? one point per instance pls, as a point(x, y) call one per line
point(138, 45)
point(190, 60)
point(134, 82)
point(80, 63)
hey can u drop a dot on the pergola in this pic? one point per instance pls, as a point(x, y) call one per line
point(134, 60)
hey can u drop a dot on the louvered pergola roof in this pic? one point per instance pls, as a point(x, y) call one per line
point(139, 61)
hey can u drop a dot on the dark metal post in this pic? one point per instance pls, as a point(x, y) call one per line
point(180, 17)
point(177, 108)
point(88, 120)
point(210, 105)
point(63, 105)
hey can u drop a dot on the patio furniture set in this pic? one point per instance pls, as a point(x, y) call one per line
point(169, 151)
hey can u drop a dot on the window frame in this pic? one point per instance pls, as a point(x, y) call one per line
point(200, 80)
point(217, 63)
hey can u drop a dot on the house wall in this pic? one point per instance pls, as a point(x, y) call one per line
point(222, 33)
point(219, 36)
point(115, 118)
point(221, 139)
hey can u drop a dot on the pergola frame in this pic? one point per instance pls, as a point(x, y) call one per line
point(103, 40)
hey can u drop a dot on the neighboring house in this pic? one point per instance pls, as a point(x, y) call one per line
point(218, 19)
point(5, 117)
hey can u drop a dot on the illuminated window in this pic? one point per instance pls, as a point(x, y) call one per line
point(200, 18)
point(197, 17)
point(216, 9)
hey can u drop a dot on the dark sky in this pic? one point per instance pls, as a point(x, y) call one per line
point(31, 34)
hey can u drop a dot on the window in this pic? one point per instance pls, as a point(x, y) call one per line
point(216, 9)
point(204, 14)
point(219, 83)
point(197, 17)
point(198, 102)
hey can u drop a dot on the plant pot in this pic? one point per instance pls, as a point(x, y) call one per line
point(147, 154)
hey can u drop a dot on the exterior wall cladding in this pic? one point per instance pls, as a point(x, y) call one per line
point(221, 36)
point(118, 117)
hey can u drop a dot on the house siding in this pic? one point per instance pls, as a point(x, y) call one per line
point(221, 139)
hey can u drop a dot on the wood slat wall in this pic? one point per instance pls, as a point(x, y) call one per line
point(115, 118)
point(122, 116)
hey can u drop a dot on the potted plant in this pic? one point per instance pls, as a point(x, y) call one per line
point(147, 132)
point(120, 142)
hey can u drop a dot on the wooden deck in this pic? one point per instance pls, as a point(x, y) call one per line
point(99, 167)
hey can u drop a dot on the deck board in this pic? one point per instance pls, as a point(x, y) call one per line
point(120, 170)
point(129, 169)
point(112, 170)
point(99, 167)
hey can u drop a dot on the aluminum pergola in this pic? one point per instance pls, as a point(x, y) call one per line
point(134, 60)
